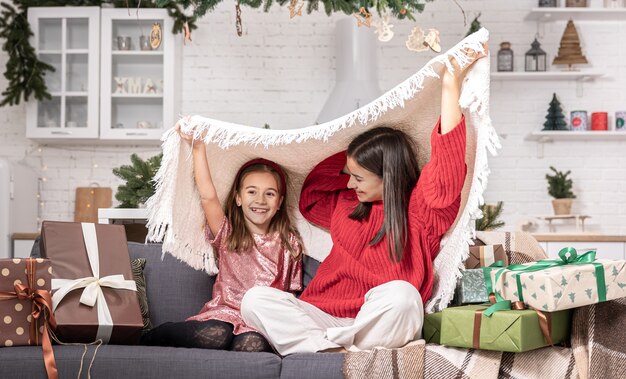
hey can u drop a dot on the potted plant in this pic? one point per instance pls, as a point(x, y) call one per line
point(560, 188)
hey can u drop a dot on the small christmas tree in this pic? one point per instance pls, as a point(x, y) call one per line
point(569, 50)
point(555, 120)
point(139, 184)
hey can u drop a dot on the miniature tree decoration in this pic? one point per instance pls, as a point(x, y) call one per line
point(555, 120)
point(569, 50)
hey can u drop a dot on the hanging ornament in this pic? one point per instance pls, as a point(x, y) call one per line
point(403, 11)
point(155, 36)
point(186, 33)
point(295, 8)
point(238, 18)
point(420, 41)
point(383, 29)
point(432, 40)
point(363, 17)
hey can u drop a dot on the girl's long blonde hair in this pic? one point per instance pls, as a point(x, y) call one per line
point(240, 238)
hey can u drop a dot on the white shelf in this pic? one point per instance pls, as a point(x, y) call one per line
point(138, 96)
point(136, 52)
point(77, 51)
point(547, 75)
point(578, 14)
point(567, 135)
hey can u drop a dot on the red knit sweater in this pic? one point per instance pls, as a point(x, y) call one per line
point(353, 266)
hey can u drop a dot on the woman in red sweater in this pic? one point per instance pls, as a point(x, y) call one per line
point(386, 227)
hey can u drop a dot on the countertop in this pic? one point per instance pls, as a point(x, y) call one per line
point(553, 237)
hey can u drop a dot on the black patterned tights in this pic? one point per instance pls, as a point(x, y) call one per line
point(211, 334)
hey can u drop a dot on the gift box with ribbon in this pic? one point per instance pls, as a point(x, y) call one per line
point(470, 288)
point(93, 291)
point(483, 256)
point(26, 306)
point(432, 327)
point(470, 326)
point(568, 282)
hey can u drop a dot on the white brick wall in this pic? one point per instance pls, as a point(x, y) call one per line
point(282, 70)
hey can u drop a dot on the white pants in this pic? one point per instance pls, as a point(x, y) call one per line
point(391, 316)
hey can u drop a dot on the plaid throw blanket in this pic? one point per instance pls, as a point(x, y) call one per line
point(417, 360)
point(598, 340)
point(520, 247)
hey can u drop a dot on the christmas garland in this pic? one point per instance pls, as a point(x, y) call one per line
point(26, 73)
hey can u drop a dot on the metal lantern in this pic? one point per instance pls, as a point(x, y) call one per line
point(535, 57)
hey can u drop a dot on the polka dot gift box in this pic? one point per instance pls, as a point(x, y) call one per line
point(21, 280)
point(26, 306)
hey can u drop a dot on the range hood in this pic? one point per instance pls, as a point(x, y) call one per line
point(356, 70)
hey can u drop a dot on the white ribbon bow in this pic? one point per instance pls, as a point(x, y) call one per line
point(92, 293)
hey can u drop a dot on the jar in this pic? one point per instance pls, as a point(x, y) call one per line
point(505, 57)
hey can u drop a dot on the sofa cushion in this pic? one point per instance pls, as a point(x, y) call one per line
point(137, 266)
point(175, 290)
point(309, 268)
point(139, 362)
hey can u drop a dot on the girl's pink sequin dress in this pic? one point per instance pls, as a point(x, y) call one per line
point(266, 264)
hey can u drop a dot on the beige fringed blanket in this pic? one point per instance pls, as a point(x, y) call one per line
point(174, 213)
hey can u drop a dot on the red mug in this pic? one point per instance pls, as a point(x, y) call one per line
point(599, 121)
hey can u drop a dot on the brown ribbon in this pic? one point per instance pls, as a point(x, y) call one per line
point(543, 318)
point(41, 312)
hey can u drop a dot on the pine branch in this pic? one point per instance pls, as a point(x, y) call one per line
point(490, 221)
point(139, 178)
point(24, 71)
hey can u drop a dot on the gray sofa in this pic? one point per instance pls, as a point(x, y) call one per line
point(175, 291)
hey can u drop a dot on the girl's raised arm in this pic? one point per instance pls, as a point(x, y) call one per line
point(213, 211)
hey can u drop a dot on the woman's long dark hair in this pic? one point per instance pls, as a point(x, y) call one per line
point(390, 154)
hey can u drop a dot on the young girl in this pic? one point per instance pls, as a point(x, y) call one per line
point(255, 244)
point(386, 228)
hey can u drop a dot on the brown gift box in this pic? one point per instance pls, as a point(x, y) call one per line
point(64, 244)
point(484, 256)
point(16, 314)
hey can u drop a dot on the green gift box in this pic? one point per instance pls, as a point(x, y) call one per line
point(432, 327)
point(470, 289)
point(511, 330)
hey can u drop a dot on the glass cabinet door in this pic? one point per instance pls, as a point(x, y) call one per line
point(67, 39)
point(137, 80)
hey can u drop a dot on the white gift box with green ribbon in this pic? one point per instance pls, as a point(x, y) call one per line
point(569, 282)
